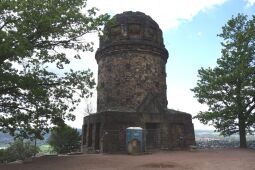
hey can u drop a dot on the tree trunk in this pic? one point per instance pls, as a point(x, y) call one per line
point(241, 117)
point(35, 146)
point(242, 134)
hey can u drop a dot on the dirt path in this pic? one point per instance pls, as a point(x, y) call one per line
point(228, 159)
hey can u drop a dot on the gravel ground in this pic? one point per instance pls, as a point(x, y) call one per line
point(223, 159)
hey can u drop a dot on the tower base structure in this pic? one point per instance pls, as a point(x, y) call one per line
point(106, 131)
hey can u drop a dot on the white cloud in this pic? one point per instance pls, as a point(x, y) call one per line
point(168, 14)
point(181, 98)
point(199, 34)
point(250, 3)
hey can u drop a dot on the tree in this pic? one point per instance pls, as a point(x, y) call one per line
point(65, 139)
point(229, 88)
point(36, 89)
point(18, 150)
point(88, 109)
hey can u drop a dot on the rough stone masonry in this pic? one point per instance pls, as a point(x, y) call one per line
point(132, 89)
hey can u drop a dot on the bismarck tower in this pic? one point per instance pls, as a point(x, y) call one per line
point(132, 89)
point(131, 65)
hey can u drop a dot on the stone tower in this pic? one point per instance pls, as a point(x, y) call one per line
point(131, 65)
point(132, 89)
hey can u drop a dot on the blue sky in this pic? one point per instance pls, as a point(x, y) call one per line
point(195, 44)
point(190, 29)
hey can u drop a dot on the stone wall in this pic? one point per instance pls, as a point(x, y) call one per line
point(131, 26)
point(174, 130)
point(126, 80)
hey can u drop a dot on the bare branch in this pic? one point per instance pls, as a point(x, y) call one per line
point(250, 109)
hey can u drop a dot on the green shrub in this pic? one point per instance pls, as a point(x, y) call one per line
point(18, 150)
point(65, 139)
point(2, 155)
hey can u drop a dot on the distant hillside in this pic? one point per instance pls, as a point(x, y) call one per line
point(204, 139)
point(5, 138)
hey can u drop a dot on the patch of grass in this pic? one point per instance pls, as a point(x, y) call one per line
point(46, 149)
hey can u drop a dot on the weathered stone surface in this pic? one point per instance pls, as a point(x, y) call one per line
point(131, 64)
point(131, 28)
point(132, 89)
point(126, 80)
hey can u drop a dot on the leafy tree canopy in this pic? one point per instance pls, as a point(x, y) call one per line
point(65, 139)
point(229, 88)
point(34, 35)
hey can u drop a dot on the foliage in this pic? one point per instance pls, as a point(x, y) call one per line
point(2, 155)
point(46, 149)
point(36, 89)
point(18, 150)
point(229, 88)
point(65, 139)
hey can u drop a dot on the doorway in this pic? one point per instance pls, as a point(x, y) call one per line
point(97, 137)
point(152, 135)
point(90, 135)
